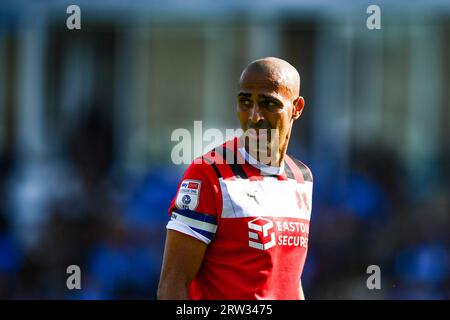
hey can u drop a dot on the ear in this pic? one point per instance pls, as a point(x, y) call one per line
point(298, 104)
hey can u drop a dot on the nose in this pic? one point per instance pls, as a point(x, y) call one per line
point(256, 114)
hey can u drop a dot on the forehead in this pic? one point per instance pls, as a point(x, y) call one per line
point(256, 83)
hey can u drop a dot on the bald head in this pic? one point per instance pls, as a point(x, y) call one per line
point(276, 71)
point(268, 98)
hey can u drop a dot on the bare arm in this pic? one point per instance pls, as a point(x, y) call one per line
point(183, 256)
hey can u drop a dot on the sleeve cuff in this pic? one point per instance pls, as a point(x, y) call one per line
point(184, 228)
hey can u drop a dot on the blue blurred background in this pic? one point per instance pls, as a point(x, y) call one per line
point(86, 118)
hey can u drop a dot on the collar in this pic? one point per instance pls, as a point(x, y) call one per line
point(265, 169)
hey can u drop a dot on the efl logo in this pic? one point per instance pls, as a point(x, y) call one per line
point(261, 239)
point(193, 185)
point(188, 194)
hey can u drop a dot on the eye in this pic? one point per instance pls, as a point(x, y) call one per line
point(245, 102)
point(270, 104)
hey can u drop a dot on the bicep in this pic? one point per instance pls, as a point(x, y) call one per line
point(183, 256)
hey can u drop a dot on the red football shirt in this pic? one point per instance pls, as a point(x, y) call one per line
point(254, 219)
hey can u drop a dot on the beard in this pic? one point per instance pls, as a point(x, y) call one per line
point(262, 144)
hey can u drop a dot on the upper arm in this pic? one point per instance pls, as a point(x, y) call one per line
point(194, 214)
point(197, 206)
point(183, 256)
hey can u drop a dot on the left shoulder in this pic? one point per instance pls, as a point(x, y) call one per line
point(304, 169)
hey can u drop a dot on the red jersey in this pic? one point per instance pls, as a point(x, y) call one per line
point(254, 219)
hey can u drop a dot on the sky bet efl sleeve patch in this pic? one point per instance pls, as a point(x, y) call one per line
point(188, 194)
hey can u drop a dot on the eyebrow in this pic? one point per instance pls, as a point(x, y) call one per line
point(265, 96)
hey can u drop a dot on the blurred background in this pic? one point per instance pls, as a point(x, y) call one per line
point(86, 118)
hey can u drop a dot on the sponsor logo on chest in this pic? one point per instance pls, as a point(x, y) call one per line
point(280, 211)
point(262, 232)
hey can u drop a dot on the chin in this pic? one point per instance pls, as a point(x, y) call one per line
point(262, 156)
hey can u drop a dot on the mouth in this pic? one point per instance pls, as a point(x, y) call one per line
point(258, 139)
point(258, 143)
point(257, 133)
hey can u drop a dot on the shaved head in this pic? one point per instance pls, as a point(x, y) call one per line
point(277, 71)
point(268, 99)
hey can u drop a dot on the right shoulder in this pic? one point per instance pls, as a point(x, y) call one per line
point(204, 167)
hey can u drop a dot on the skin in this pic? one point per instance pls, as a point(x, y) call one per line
point(268, 98)
point(183, 256)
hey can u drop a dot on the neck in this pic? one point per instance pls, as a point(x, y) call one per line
point(266, 169)
point(275, 160)
point(274, 165)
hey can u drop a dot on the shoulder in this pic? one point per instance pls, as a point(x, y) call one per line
point(220, 160)
point(299, 165)
point(203, 170)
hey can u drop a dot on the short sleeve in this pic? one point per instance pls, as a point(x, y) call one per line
point(197, 206)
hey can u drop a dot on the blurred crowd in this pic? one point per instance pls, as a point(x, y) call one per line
point(373, 217)
point(112, 225)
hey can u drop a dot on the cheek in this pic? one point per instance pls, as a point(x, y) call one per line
point(242, 116)
point(285, 121)
point(281, 123)
point(277, 122)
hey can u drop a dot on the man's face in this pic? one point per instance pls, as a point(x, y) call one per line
point(264, 103)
